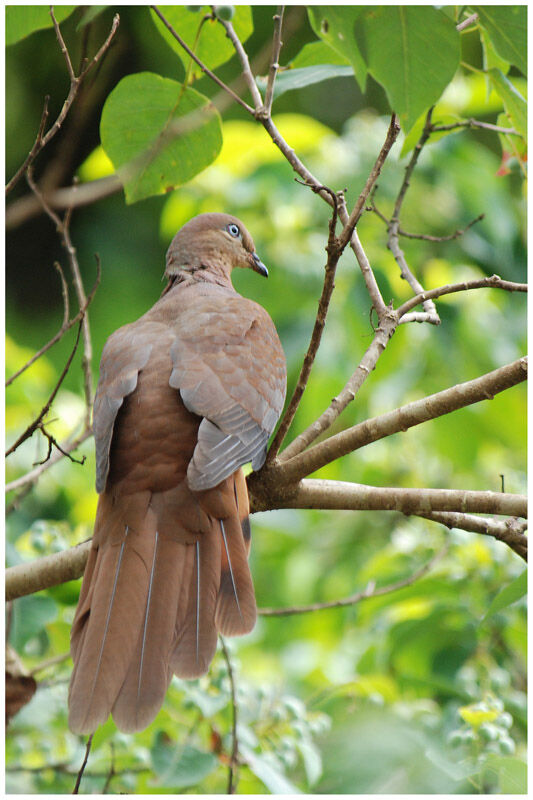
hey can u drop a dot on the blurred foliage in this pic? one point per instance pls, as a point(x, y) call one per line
point(417, 691)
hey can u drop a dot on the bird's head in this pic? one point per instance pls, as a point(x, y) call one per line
point(209, 246)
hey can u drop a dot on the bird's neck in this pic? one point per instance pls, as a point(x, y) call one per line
point(188, 275)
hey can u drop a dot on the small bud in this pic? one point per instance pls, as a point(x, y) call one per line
point(224, 12)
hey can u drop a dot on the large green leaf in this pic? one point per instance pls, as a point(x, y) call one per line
point(513, 102)
point(413, 51)
point(22, 20)
point(315, 53)
point(300, 78)
point(507, 29)
point(158, 134)
point(336, 27)
point(206, 38)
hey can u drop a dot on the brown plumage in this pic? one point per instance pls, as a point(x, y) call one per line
point(187, 394)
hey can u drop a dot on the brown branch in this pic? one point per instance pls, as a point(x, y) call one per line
point(493, 282)
point(392, 135)
point(426, 237)
point(75, 83)
point(274, 63)
point(30, 430)
point(67, 324)
point(364, 264)
point(394, 223)
point(200, 63)
point(259, 109)
point(509, 531)
point(366, 594)
point(33, 476)
point(63, 228)
point(343, 496)
point(385, 330)
point(466, 23)
point(401, 419)
point(316, 336)
point(42, 573)
point(234, 758)
point(84, 764)
point(476, 123)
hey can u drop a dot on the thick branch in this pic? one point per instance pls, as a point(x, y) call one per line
point(44, 572)
point(343, 496)
point(401, 419)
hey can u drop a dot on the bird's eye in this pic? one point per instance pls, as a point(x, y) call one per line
point(233, 230)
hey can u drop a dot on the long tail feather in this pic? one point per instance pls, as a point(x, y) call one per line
point(235, 612)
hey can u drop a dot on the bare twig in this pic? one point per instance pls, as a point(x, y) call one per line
point(366, 594)
point(112, 771)
point(426, 237)
point(394, 223)
point(75, 83)
point(30, 430)
point(33, 476)
point(259, 109)
point(234, 758)
point(63, 228)
point(510, 531)
point(82, 768)
point(493, 282)
point(37, 146)
point(466, 23)
point(50, 662)
point(476, 123)
point(401, 419)
point(392, 135)
point(67, 324)
point(364, 264)
point(274, 63)
point(200, 63)
point(318, 328)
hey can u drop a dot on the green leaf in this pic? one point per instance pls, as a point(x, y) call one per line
point(513, 102)
point(158, 134)
point(269, 772)
point(491, 59)
point(22, 20)
point(206, 37)
point(315, 53)
point(30, 615)
point(300, 78)
point(180, 766)
point(413, 51)
point(507, 29)
point(335, 25)
point(512, 773)
point(90, 13)
point(509, 594)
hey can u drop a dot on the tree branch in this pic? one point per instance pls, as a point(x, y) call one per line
point(274, 63)
point(401, 419)
point(42, 573)
point(343, 496)
point(510, 531)
point(366, 594)
point(493, 282)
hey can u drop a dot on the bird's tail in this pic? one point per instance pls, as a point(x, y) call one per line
point(166, 573)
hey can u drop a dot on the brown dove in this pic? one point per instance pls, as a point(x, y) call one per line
point(187, 394)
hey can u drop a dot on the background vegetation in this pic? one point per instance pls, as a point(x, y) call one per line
point(420, 690)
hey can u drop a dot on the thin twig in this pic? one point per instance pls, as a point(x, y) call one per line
point(274, 63)
point(493, 282)
point(426, 237)
point(466, 23)
point(200, 63)
point(259, 109)
point(75, 82)
point(82, 768)
point(318, 328)
point(364, 264)
point(394, 222)
point(112, 771)
point(30, 430)
point(366, 594)
point(476, 123)
point(392, 135)
point(50, 662)
point(67, 324)
point(232, 784)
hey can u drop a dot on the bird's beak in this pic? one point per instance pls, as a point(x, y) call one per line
point(258, 266)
